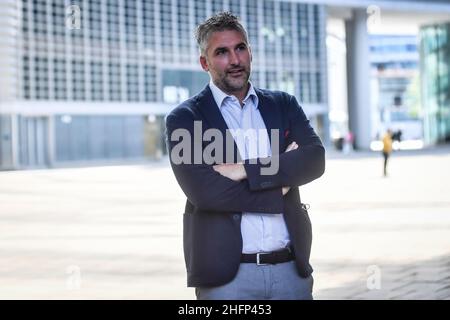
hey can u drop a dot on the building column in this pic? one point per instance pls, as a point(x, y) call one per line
point(358, 79)
point(10, 66)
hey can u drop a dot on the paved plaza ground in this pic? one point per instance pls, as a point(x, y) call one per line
point(115, 232)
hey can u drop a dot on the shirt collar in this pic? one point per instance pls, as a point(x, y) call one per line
point(220, 96)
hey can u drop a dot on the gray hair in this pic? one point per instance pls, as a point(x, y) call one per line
point(219, 22)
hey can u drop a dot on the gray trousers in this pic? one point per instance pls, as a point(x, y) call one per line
point(269, 282)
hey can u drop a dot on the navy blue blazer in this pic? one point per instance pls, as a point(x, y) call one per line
point(212, 217)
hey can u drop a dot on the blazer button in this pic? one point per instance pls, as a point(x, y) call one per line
point(236, 217)
point(266, 184)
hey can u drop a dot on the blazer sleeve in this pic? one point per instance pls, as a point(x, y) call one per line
point(297, 167)
point(206, 188)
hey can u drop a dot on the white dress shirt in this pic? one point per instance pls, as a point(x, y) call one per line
point(261, 232)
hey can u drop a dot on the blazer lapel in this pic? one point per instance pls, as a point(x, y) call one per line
point(271, 116)
point(210, 111)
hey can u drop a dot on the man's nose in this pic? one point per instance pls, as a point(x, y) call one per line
point(234, 58)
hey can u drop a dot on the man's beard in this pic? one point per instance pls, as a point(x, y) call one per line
point(235, 84)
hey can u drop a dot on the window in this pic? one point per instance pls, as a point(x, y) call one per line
point(115, 93)
point(97, 81)
point(59, 80)
point(78, 80)
point(132, 83)
point(150, 83)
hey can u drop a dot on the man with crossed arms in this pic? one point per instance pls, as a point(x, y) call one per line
point(246, 234)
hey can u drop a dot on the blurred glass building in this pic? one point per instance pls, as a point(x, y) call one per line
point(395, 72)
point(91, 80)
point(435, 80)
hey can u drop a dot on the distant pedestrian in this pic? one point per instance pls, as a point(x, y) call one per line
point(349, 141)
point(387, 149)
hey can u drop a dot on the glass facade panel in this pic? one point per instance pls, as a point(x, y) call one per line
point(166, 33)
point(82, 138)
point(435, 73)
point(183, 84)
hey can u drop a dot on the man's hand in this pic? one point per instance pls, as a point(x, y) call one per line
point(290, 147)
point(234, 171)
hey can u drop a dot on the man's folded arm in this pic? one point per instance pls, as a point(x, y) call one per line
point(209, 190)
point(295, 168)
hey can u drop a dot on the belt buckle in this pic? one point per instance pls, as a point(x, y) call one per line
point(258, 263)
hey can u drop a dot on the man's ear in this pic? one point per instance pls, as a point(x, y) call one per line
point(204, 63)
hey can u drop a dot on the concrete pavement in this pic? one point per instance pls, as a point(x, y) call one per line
point(116, 232)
